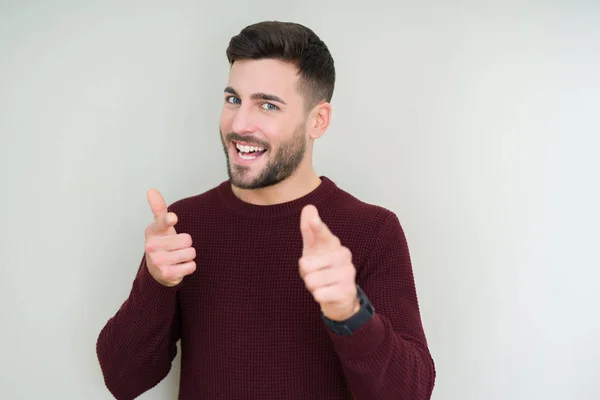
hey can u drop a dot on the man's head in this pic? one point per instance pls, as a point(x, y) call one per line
point(277, 99)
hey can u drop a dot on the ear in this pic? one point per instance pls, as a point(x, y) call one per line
point(319, 120)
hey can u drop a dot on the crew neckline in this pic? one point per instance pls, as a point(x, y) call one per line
point(318, 195)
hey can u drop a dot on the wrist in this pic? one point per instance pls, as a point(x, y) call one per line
point(351, 310)
point(355, 320)
point(153, 292)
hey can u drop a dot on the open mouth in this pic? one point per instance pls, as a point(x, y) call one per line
point(249, 152)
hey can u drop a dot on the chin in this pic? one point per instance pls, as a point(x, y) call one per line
point(241, 176)
point(244, 178)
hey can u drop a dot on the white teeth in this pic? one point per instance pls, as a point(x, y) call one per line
point(245, 157)
point(247, 149)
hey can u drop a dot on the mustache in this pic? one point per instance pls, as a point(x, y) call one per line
point(235, 137)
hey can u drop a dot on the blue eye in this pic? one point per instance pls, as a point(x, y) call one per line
point(232, 99)
point(269, 107)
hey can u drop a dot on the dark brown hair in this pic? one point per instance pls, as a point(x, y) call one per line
point(289, 42)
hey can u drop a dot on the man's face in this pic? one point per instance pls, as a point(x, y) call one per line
point(262, 123)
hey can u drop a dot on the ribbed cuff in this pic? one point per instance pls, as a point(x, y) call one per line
point(363, 342)
point(152, 292)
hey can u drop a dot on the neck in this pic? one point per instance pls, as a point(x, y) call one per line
point(297, 185)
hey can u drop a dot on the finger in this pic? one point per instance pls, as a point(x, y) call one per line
point(163, 258)
point(309, 264)
point(322, 278)
point(162, 224)
point(175, 273)
point(308, 238)
point(171, 242)
point(183, 269)
point(157, 202)
point(333, 293)
point(315, 228)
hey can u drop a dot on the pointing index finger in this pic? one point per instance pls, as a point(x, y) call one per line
point(314, 230)
point(157, 202)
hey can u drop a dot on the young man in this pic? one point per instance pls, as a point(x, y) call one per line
point(279, 284)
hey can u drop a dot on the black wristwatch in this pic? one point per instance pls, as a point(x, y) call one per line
point(349, 326)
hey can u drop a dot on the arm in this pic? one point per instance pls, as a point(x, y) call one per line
point(138, 344)
point(388, 358)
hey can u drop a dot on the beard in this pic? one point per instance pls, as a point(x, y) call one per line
point(280, 166)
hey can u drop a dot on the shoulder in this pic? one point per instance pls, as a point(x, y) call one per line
point(361, 225)
point(349, 207)
point(373, 233)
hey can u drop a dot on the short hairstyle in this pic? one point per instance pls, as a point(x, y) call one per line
point(293, 43)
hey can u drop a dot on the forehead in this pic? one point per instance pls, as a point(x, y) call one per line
point(266, 76)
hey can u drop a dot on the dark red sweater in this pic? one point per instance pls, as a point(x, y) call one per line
point(249, 328)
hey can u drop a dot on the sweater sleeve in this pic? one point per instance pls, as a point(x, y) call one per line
point(388, 358)
point(138, 344)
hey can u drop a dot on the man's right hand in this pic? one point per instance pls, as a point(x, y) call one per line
point(169, 255)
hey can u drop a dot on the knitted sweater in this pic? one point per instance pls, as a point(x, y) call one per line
point(248, 327)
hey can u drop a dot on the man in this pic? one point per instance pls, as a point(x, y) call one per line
point(279, 284)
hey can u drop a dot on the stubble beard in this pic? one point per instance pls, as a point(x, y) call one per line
point(280, 166)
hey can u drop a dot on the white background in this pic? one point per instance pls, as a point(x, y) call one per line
point(478, 123)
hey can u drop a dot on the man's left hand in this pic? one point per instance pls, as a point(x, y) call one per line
point(326, 268)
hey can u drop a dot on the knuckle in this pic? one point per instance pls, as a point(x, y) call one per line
point(302, 264)
point(345, 253)
point(153, 243)
point(156, 259)
point(319, 295)
point(186, 238)
point(353, 273)
point(190, 267)
point(148, 230)
point(310, 283)
point(168, 276)
point(149, 246)
point(336, 241)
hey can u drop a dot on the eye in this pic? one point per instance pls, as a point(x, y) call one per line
point(269, 107)
point(232, 100)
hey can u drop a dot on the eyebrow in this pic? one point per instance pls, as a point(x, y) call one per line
point(257, 96)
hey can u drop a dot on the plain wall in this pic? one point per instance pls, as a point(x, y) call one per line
point(477, 123)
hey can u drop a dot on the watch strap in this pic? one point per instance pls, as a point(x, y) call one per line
point(350, 325)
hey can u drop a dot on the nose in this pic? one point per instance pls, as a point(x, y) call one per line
point(243, 123)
